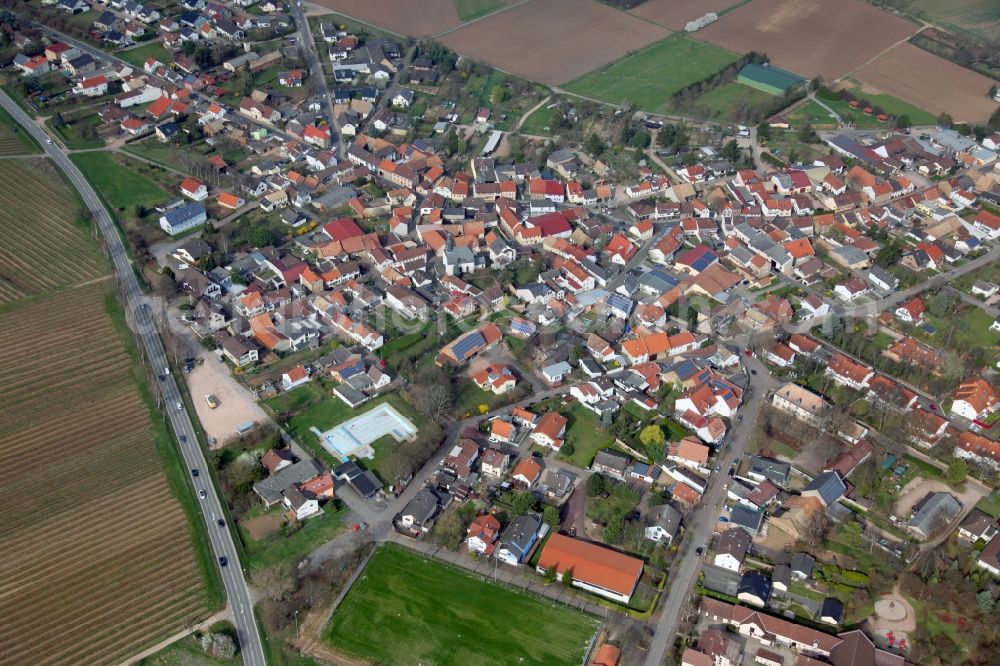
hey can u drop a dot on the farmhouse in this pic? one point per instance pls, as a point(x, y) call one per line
point(591, 567)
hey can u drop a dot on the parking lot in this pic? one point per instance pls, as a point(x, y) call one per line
point(237, 406)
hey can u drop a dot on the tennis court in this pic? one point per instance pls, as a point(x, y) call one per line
point(355, 436)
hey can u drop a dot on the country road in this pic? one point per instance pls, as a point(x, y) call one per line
point(139, 316)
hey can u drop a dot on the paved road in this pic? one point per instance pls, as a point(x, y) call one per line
point(139, 315)
point(316, 72)
point(701, 522)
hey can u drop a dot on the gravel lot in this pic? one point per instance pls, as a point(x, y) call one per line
point(236, 405)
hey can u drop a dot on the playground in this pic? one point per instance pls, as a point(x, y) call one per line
point(355, 436)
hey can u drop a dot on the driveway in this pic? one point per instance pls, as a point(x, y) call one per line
point(237, 406)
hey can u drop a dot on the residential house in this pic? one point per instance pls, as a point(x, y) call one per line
point(519, 538)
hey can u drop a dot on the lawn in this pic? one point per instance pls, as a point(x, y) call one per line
point(971, 329)
point(78, 132)
point(140, 54)
point(406, 609)
point(586, 434)
point(812, 113)
point(722, 102)
point(891, 105)
point(469, 10)
point(119, 181)
point(313, 406)
point(649, 77)
point(294, 541)
point(990, 505)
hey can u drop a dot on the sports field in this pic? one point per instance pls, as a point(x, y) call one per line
point(649, 77)
point(406, 609)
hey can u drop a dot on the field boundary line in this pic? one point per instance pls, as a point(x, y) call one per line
point(327, 10)
point(479, 18)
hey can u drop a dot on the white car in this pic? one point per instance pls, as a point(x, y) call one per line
point(202, 494)
point(49, 141)
point(179, 406)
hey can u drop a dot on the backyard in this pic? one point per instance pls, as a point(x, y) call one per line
point(294, 540)
point(586, 434)
point(406, 609)
point(120, 181)
point(138, 55)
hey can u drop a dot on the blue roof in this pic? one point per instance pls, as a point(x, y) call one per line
point(353, 369)
point(621, 303)
point(468, 345)
point(829, 487)
point(522, 326)
point(184, 213)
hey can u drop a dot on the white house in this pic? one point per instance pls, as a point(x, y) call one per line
point(303, 505)
point(294, 378)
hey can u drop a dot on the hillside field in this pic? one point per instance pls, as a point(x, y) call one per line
point(407, 609)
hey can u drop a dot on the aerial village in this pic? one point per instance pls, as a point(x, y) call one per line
point(563, 367)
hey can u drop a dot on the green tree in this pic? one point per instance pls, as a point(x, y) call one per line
point(985, 601)
point(550, 515)
point(550, 574)
point(889, 255)
point(500, 94)
point(523, 502)
point(945, 120)
point(652, 436)
point(763, 131)
point(595, 485)
point(595, 145)
point(731, 151)
point(567, 449)
point(808, 135)
point(940, 304)
point(567, 577)
point(903, 121)
point(993, 91)
point(958, 469)
point(258, 236)
point(614, 529)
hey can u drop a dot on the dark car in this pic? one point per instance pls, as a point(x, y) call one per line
point(752, 371)
point(699, 550)
point(732, 471)
point(184, 439)
point(223, 561)
point(194, 472)
point(221, 522)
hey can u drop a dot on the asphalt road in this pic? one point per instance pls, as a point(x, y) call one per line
point(701, 522)
point(139, 316)
point(316, 72)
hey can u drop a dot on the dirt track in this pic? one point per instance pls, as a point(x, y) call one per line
point(809, 37)
point(930, 83)
point(552, 41)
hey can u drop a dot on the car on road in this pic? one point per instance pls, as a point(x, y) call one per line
point(220, 522)
point(933, 407)
point(223, 561)
point(202, 494)
point(699, 550)
point(48, 141)
point(752, 371)
point(739, 419)
point(732, 472)
point(184, 439)
point(718, 468)
point(194, 472)
point(179, 406)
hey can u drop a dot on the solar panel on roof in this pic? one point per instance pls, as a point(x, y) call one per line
point(522, 326)
point(468, 344)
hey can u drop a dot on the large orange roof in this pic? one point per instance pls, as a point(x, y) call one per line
point(592, 564)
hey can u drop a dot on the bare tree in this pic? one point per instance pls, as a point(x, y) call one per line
point(433, 401)
point(816, 530)
point(275, 582)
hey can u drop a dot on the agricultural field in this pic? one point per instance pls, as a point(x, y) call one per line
point(929, 82)
point(407, 609)
point(403, 17)
point(808, 37)
point(92, 529)
point(648, 78)
point(978, 18)
point(553, 41)
point(675, 14)
point(469, 10)
point(13, 141)
point(45, 245)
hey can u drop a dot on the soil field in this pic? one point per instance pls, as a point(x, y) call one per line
point(809, 37)
point(553, 41)
point(14, 141)
point(929, 82)
point(98, 561)
point(42, 245)
point(405, 17)
point(675, 14)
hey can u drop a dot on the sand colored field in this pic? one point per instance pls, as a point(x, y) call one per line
point(929, 82)
point(676, 13)
point(553, 41)
point(406, 17)
point(809, 37)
